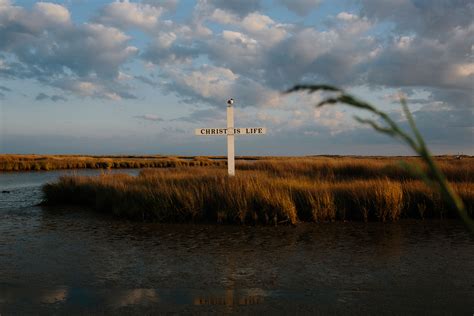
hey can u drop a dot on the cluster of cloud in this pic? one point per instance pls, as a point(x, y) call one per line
point(231, 48)
point(43, 43)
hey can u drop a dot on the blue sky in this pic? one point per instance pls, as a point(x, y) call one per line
point(137, 77)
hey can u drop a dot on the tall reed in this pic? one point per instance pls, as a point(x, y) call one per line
point(431, 174)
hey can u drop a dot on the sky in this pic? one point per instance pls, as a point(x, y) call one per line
point(137, 77)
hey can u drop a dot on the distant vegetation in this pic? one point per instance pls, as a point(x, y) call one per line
point(53, 162)
point(271, 191)
point(10, 162)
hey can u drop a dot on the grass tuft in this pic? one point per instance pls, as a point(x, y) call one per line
point(263, 192)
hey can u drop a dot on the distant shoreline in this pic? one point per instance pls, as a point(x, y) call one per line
point(15, 162)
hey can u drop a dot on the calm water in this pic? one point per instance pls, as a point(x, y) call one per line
point(63, 260)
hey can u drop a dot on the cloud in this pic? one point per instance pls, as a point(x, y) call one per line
point(239, 49)
point(445, 125)
point(300, 7)
point(42, 96)
point(442, 65)
point(310, 55)
point(146, 80)
point(56, 98)
point(434, 18)
point(53, 12)
point(165, 49)
point(430, 47)
point(125, 14)
point(94, 88)
point(204, 116)
point(150, 117)
point(214, 85)
point(259, 27)
point(238, 7)
point(345, 16)
point(43, 44)
point(254, 57)
point(3, 88)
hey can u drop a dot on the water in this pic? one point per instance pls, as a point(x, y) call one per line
point(24, 188)
point(65, 259)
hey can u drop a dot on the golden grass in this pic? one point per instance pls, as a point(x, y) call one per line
point(53, 162)
point(348, 168)
point(340, 167)
point(268, 192)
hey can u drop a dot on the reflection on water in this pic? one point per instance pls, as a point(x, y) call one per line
point(228, 297)
point(67, 260)
point(117, 298)
point(134, 297)
point(52, 296)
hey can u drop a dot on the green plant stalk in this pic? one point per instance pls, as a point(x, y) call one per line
point(435, 176)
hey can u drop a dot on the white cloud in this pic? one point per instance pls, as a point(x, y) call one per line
point(262, 27)
point(345, 16)
point(130, 14)
point(237, 7)
point(54, 13)
point(223, 17)
point(123, 76)
point(214, 85)
point(165, 40)
point(255, 22)
point(85, 88)
point(352, 24)
point(238, 38)
point(94, 88)
point(208, 82)
point(464, 69)
point(404, 42)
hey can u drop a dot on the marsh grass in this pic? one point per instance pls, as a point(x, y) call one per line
point(349, 168)
point(53, 162)
point(263, 192)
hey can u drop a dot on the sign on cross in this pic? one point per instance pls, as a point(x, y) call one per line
point(230, 132)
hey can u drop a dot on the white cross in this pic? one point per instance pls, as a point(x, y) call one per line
point(230, 131)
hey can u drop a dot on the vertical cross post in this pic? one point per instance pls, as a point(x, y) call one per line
point(230, 138)
point(230, 132)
